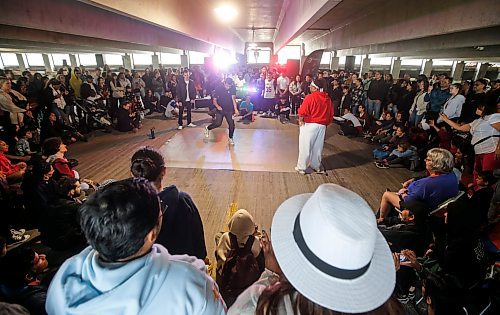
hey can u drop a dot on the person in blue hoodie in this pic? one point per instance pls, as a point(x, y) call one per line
point(123, 271)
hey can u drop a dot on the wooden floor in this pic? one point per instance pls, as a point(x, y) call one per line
point(217, 193)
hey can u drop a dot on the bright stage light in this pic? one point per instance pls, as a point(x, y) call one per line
point(226, 12)
point(223, 59)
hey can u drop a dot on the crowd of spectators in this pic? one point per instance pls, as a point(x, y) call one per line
point(135, 246)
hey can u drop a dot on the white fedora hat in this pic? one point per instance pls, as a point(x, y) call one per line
point(330, 249)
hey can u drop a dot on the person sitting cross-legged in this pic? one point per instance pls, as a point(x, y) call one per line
point(246, 110)
point(124, 271)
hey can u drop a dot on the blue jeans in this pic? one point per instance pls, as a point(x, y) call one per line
point(373, 108)
point(380, 154)
point(415, 119)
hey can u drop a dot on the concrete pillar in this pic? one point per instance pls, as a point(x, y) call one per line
point(426, 67)
point(334, 61)
point(127, 61)
point(365, 66)
point(99, 58)
point(72, 60)
point(185, 59)
point(47, 63)
point(457, 70)
point(481, 70)
point(396, 67)
point(20, 61)
point(156, 61)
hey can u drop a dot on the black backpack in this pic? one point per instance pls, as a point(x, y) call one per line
point(240, 270)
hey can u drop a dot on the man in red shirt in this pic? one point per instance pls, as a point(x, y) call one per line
point(315, 113)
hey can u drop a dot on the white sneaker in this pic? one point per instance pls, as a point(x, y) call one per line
point(207, 132)
point(191, 125)
point(319, 171)
point(231, 141)
point(298, 170)
point(179, 128)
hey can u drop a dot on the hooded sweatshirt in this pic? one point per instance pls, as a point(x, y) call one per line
point(317, 108)
point(157, 283)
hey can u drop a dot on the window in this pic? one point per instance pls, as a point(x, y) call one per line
point(288, 52)
point(196, 58)
point(262, 56)
point(113, 59)
point(1, 63)
point(442, 63)
point(9, 59)
point(35, 60)
point(142, 59)
point(342, 60)
point(58, 59)
point(170, 59)
point(381, 61)
point(87, 59)
point(411, 62)
point(326, 58)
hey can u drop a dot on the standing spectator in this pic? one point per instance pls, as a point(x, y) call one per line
point(376, 95)
point(117, 96)
point(157, 84)
point(124, 271)
point(282, 84)
point(185, 96)
point(305, 85)
point(295, 89)
point(453, 106)
point(357, 95)
point(76, 82)
point(269, 94)
point(12, 102)
point(485, 138)
point(437, 97)
point(473, 101)
point(346, 99)
point(419, 106)
point(148, 78)
point(315, 113)
point(336, 94)
point(138, 85)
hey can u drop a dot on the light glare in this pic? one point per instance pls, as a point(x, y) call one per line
point(226, 12)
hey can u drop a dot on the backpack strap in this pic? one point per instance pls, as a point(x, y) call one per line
point(249, 244)
point(484, 139)
point(234, 241)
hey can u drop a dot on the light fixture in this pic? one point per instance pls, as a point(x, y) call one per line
point(226, 12)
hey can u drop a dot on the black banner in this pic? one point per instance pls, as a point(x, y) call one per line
point(311, 63)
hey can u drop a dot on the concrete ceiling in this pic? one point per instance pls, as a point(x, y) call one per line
point(421, 29)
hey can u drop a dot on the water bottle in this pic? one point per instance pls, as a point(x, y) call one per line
point(152, 133)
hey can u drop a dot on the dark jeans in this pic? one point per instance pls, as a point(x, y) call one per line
point(187, 106)
point(218, 121)
point(296, 100)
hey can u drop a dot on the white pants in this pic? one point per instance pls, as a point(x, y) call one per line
point(311, 140)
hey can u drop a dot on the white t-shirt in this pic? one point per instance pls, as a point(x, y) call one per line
point(353, 119)
point(482, 128)
point(283, 83)
point(269, 91)
point(187, 91)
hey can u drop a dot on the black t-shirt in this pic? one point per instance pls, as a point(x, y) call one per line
point(224, 97)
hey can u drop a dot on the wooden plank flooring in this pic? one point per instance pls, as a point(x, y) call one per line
point(348, 162)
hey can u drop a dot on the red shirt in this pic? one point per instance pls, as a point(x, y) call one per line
point(317, 108)
point(6, 166)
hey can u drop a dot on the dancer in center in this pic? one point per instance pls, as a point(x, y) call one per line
point(225, 103)
point(315, 113)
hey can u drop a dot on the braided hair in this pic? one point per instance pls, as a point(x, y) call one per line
point(147, 163)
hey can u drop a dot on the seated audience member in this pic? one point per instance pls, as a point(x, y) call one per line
point(409, 229)
point(124, 271)
point(398, 137)
point(55, 150)
point(382, 126)
point(240, 243)
point(352, 257)
point(182, 229)
point(14, 172)
point(52, 127)
point(246, 110)
point(404, 154)
point(39, 189)
point(19, 282)
point(60, 226)
point(282, 110)
point(23, 145)
point(443, 135)
point(364, 118)
point(168, 104)
point(349, 124)
point(442, 294)
point(151, 102)
point(127, 120)
point(440, 185)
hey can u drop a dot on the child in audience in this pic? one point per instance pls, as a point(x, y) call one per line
point(23, 144)
point(403, 154)
point(246, 110)
point(282, 110)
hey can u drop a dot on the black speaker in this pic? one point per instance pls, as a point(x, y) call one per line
point(349, 63)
